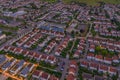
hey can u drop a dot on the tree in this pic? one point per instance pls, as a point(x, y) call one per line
point(98, 49)
point(104, 52)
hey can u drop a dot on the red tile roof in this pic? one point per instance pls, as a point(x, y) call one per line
point(70, 77)
point(36, 73)
point(52, 58)
point(112, 69)
point(85, 63)
point(115, 57)
point(107, 59)
point(45, 75)
point(71, 69)
point(52, 77)
point(99, 56)
point(90, 54)
point(95, 65)
point(103, 67)
point(73, 62)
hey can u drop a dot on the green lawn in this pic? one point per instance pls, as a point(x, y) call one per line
point(93, 2)
point(50, 1)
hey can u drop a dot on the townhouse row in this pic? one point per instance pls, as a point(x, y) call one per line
point(33, 40)
point(99, 67)
point(104, 30)
point(72, 70)
point(62, 45)
point(26, 53)
point(87, 76)
point(50, 46)
point(100, 58)
point(16, 67)
point(103, 43)
point(80, 48)
point(59, 32)
point(25, 38)
point(41, 75)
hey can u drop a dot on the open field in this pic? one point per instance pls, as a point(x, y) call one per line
point(50, 1)
point(88, 2)
point(93, 2)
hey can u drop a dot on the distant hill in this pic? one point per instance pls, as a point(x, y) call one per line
point(93, 2)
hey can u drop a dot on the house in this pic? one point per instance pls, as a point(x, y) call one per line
point(47, 50)
point(93, 66)
point(96, 40)
point(19, 43)
point(12, 49)
point(44, 76)
point(111, 48)
point(8, 65)
point(50, 47)
point(18, 66)
point(27, 45)
point(25, 52)
point(117, 49)
point(80, 49)
point(36, 75)
point(76, 54)
point(87, 76)
point(2, 36)
point(52, 59)
point(84, 64)
point(44, 58)
point(98, 78)
point(115, 59)
point(110, 42)
point(117, 44)
point(107, 60)
point(70, 77)
point(90, 39)
point(3, 59)
point(99, 58)
point(52, 77)
point(25, 71)
point(6, 48)
point(18, 51)
point(112, 71)
point(72, 70)
point(37, 56)
point(73, 64)
point(58, 52)
point(31, 54)
point(92, 48)
point(103, 68)
point(103, 41)
point(90, 56)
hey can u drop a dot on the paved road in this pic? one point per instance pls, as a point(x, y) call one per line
point(89, 30)
point(3, 77)
point(65, 69)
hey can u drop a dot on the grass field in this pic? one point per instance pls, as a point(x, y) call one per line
point(93, 2)
point(50, 1)
point(88, 2)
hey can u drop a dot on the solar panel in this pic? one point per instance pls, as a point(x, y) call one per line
point(24, 71)
point(6, 65)
point(21, 63)
point(2, 59)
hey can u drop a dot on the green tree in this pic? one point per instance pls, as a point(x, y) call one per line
point(98, 49)
point(104, 52)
